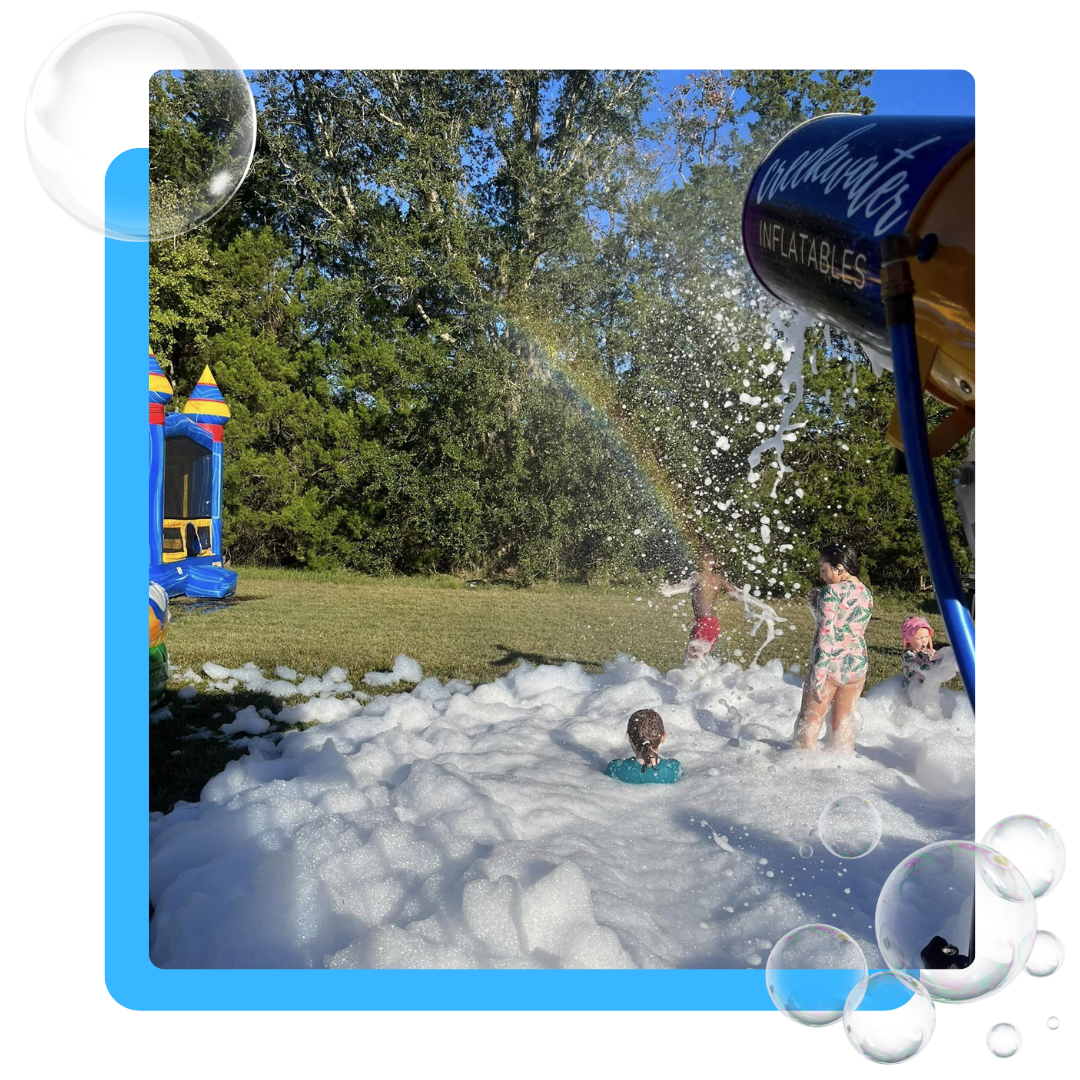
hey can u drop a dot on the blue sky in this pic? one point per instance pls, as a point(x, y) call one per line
point(917, 93)
point(924, 93)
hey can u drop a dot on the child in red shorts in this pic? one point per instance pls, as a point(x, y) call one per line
point(703, 586)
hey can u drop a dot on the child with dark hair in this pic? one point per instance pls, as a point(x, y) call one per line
point(838, 656)
point(645, 732)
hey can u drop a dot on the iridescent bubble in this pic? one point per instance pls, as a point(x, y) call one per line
point(1036, 848)
point(202, 137)
point(88, 105)
point(1004, 1040)
point(850, 827)
point(806, 851)
point(811, 972)
point(1046, 955)
point(1053, 1023)
point(951, 900)
point(889, 1017)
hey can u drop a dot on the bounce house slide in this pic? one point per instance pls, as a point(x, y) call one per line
point(190, 578)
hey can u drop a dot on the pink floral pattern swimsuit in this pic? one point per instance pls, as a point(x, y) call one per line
point(839, 650)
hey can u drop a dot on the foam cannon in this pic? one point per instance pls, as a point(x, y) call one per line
point(868, 223)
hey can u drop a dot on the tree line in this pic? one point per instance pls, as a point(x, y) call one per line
point(500, 323)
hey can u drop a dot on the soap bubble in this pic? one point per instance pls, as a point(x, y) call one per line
point(811, 972)
point(1036, 848)
point(806, 851)
point(850, 827)
point(889, 1017)
point(1053, 1023)
point(202, 137)
point(88, 104)
point(926, 920)
point(1004, 1040)
point(1046, 954)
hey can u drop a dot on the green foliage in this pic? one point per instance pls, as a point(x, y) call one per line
point(466, 322)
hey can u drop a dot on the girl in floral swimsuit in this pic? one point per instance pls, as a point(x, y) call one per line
point(838, 660)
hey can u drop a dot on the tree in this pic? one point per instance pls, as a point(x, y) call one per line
point(501, 321)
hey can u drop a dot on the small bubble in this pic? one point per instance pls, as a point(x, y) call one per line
point(1046, 955)
point(1003, 1040)
point(806, 851)
point(1053, 1023)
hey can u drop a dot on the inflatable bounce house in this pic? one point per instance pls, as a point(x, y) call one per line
point(185, 489)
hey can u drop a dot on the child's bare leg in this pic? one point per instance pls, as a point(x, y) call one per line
point(812, 716)
point(843, 717)
point(706, 627)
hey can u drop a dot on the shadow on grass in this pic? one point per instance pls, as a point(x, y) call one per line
point(190, 605)
point(510, 657)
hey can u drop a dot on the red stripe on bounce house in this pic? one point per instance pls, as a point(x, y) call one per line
point(157, 413)
point(216, 431)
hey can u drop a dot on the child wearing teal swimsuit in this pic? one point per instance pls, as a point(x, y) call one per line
point(645, 732)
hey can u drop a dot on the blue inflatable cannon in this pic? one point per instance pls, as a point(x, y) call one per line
point(868, 223)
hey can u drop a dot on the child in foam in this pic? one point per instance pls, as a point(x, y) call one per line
point(838, 658)
point(919, 658)
point(645, 732)
point(703, 587)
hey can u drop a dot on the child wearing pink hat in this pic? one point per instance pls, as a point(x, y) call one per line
point(918, 658)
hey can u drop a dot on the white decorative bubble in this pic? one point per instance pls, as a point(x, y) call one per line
point(1036, 848)
point(811, 972)
point(805, 851)
point(1053, 1023)
point(1046, 955)
point(949, 902)
point(210, 98)
point(850, 827)
point(889, 1017)
point(1004, 1040)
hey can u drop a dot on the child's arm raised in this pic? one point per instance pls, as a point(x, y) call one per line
point(683, 586)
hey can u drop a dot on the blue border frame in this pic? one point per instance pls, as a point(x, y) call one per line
point(130, 977)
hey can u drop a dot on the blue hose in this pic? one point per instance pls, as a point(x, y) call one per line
point(909, 399)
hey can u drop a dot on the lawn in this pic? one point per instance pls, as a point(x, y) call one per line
point(311, 622)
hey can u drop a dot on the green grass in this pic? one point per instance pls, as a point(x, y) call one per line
point(312, 621)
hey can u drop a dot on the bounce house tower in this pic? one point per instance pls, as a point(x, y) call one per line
point(185, 489)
